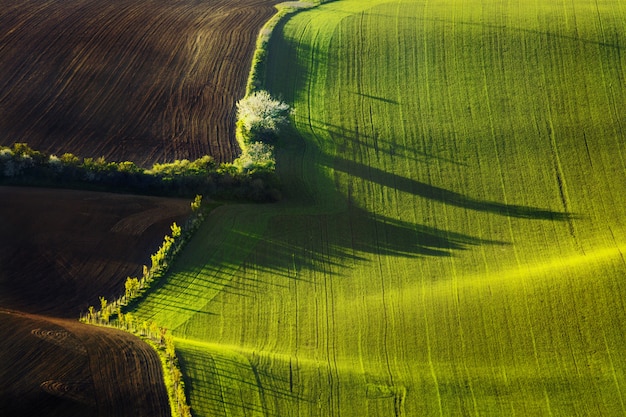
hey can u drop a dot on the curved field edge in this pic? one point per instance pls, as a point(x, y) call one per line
point(452, 242)
point(62, 368)
point(145, 81)
point(51, 240)
point(260, 53)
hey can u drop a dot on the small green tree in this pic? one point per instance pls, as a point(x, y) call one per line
point(132, 287)
point(154, 330)
point(176, 230)
point(162, 333)
point(104, 311)
point(129, 167)
point(169, 346)
point(91, 315)
point(22, 149)
point(130, 322)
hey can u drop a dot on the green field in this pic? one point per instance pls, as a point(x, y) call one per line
point(452, 237)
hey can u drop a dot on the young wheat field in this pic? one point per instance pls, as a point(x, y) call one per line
point(452, 237)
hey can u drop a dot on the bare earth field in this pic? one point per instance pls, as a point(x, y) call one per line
point(62, 249)
point(59, 251)
point(53, 367)
point(140, 80)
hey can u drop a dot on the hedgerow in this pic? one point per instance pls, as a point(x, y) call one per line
point(112, 313)
point(260, 53)
point(21, 165)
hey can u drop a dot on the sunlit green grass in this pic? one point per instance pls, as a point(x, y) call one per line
point(452, 235)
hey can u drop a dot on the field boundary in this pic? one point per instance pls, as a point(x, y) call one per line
point(260, 53)
point(259, 58)
point(153, 334)
point(162, 343)
point(24, 166)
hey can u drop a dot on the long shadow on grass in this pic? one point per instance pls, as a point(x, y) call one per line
point(329, 243)
point(546, 34)
point(296, 244)
point(345, 138)
point(442, 195)
point(418, 22)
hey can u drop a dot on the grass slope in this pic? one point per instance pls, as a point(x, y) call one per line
point(452, 239)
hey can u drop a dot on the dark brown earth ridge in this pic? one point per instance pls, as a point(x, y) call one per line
point(59, 251)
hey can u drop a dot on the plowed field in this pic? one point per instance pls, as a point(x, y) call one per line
point(146, 80)
point(63, 368)
point(59, 251)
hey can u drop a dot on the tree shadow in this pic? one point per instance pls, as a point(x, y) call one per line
point(345, 137)
point(443, 195)
point(418, 21)
point(376, 98)
point(272, 71)
point(299, 247)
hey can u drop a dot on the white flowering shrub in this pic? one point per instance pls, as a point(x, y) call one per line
point(260, 115)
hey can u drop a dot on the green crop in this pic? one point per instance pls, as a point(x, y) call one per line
point(451, 240)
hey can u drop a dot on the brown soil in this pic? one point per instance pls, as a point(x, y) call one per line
point(61, 249)
point(56, 367)
point(141, 80)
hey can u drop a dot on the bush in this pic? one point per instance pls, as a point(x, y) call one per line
point(257, 155)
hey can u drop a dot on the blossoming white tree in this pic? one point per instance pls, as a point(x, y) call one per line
point(259, 115)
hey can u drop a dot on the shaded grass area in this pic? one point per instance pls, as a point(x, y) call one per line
point(451, 239)
point(442, 195)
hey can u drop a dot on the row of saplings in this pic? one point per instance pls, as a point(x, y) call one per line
point(249, 177)
point(259, 119)
point(112, 314)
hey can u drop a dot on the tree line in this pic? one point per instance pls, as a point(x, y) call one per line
point(247, 179)
point(259, 119)
point(112, 313)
